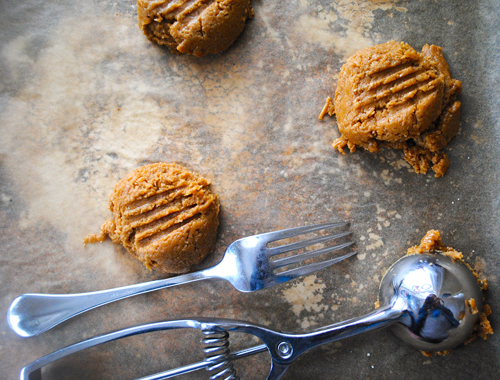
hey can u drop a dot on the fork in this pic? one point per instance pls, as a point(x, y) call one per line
point(247, 264)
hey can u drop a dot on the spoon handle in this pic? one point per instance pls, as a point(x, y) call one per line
point(33, 314)
point(376, 319)
point(285, 348)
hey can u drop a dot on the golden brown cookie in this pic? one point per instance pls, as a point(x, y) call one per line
point(196, 27)
point(164, 215)
point(391, 95)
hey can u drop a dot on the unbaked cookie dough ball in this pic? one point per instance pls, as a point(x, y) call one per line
point(164, 215)
point(391, 95)
point(193, 26)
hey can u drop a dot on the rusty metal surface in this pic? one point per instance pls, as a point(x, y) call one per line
point(85, 99)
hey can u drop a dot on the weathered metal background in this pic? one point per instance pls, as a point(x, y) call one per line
point(85, 99)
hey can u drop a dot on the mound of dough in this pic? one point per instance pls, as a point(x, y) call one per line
point(164, 215)
point(196, 27)
point(391, 95)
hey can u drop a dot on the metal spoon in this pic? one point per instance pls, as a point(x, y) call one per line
point(424, 297)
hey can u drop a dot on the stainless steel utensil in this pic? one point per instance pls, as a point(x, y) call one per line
point(424, 297)
point(247, 264)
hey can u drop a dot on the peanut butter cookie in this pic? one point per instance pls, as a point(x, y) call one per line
point(196, 27)
point(164, 215)
point(391, 95)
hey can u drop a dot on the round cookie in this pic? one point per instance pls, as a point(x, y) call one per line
point(391, 95)
point(164, 215)
point(193, 26)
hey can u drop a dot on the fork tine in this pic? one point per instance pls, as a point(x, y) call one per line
point(305, 243)
point(291, 232)
point(308, 255)
point(306, 269)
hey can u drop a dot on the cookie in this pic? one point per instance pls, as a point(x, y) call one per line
point(196, 27)
point(391, 95)
point(164, 215)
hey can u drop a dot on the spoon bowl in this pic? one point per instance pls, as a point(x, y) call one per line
point(433, 291)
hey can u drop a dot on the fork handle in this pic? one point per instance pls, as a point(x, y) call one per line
point(33, 314)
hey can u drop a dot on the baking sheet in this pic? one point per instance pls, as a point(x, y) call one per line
point(85, 99)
